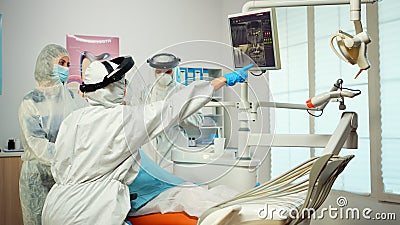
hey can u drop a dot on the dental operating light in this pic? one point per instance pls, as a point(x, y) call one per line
point(352, 49)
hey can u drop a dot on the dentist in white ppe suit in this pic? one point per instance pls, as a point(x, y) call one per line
point(97, 146)
point(163, 87)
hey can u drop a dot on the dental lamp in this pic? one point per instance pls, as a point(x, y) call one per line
point(353, 49)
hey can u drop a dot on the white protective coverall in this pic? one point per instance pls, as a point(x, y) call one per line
point(176, 136)
point(97, 147)
point(40, 114)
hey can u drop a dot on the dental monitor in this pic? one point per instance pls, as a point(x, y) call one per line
point(254, 34)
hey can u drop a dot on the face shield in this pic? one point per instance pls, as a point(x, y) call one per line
point(103, 82)
point(114, 74)
point(163, 61)
point(163, 65)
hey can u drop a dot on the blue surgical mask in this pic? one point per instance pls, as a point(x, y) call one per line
point(61, 71)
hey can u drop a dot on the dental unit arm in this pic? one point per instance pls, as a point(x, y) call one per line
point(247, 111)
point(316, 103)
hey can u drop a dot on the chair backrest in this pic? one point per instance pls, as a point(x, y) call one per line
point(322, 176)
point(313, 178)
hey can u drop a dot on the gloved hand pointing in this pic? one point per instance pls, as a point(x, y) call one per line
point(237, 76)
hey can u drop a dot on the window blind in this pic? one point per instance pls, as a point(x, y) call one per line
point(389, 29)
point(329, 68)
point(290, 84)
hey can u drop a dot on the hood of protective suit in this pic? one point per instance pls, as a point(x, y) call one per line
point(49, 56)
point(109, 96)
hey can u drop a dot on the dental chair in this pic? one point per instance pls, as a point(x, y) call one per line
point(296, 195)
point(301, 190)
point(289, 199)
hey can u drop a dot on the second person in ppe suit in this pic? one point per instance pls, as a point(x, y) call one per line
point(40, 115)
point(164, 86)
point(98, 145)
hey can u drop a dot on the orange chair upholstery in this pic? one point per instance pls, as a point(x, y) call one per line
point(178, 218)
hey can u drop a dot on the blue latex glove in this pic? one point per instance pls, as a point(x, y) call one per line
point(237, 76)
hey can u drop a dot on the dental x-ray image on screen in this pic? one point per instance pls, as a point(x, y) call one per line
point(255, 34)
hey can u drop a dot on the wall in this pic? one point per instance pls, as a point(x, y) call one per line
point(143, 27)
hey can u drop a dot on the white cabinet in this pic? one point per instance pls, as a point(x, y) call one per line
point(213, 124)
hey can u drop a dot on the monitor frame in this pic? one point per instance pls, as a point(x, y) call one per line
point(275, 40)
